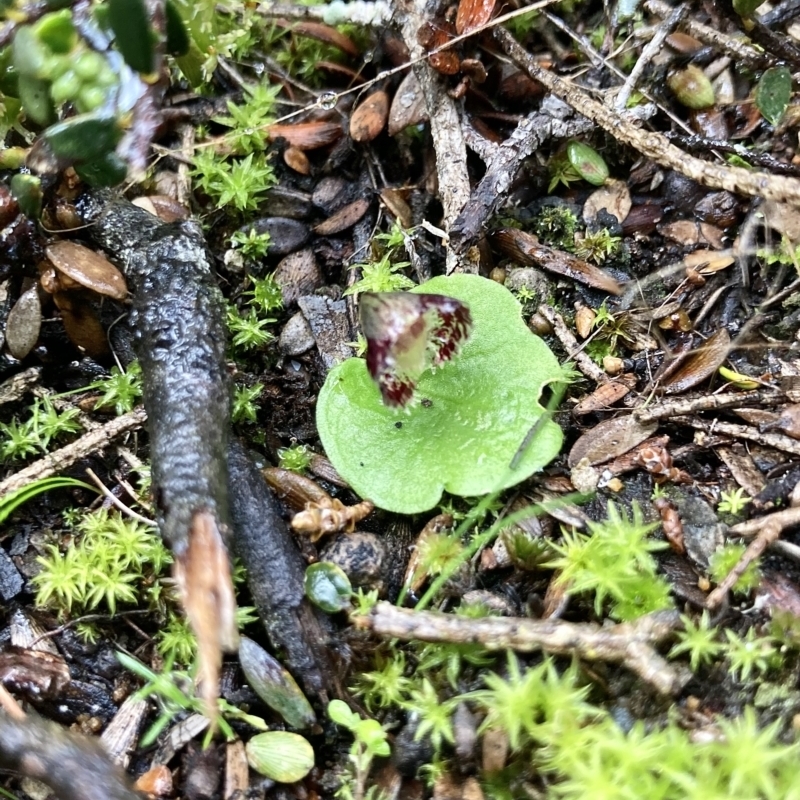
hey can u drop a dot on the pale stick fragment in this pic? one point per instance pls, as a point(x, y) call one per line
point(572, 346)
point(89, 443)
point(693, 405)
point(630, 643)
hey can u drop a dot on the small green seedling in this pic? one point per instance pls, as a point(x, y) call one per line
point(468, 421)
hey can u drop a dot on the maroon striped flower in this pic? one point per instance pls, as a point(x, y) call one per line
point(407, 334)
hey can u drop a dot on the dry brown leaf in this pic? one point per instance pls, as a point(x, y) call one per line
point(700, 365)
point(296, 159)
point(605, 395)
point(322, 33)
point(344, 218)
point(369, 118)
point(610, 439)
point(706, 261)
point(473, 14)
point(307, 135)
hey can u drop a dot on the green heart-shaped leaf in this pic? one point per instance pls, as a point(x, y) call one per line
point(471, 417)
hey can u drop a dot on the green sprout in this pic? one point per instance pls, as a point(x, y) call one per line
point(244, 403)
point(44, 424)
point(122, 389)
point(615, 562)
point(240, 183)
point(725, 559)
point(556, 226)
point(370, 740)
point(248, 123)
point(253, 245)
point(748, 654)
point(248, 331)
point(698, 639)
point(598, 246)
point(733, 502)
point(295, 458)
point(381, 276)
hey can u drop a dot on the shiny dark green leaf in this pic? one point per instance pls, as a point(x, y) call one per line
point(177, 35)
point(108, 170)
point(773, 93)
point(328, 587)
point(134, 34)
point(83, 138)
point(27, 191)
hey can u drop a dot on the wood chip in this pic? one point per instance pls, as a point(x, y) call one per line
point(605, 395)
point(612, 197)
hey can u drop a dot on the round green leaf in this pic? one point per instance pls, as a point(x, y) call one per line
point(281, 756)
point(83, 138)
point(328, 587)
point(472, 415)
point(773, 93)
point(588, 163)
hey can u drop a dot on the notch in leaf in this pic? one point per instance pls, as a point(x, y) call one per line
point(406, 335)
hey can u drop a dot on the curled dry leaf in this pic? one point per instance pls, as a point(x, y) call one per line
point(610, 439)
point(408, 105)
point(86, 268)
point(701, 365)
point(370, 117)
point(473, 14)
point(81, 323)
point(613, 196)
point(433, 35)
point(584, 321)
point(525, 248)
point(344, 218)
point(24, 323)
point(688, 232)
point(307, 135)
point(395, 202)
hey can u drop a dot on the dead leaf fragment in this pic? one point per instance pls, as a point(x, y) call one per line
point(473, 14)
point(525, 249)
point(296, 159)
point(584, 321)
point(322, 33)
point(408, 105)
point(370, 117)
point(81, 323)
point(701, 365)
point(613, 196)
point(706, 261)
point(87, 269)
point(344, 218)
point(610, 439)
point(605, 395)
point(23, 324)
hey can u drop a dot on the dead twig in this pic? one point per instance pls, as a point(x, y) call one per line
point(117, 503)
point(448, 139)
point(692, 405)
point(572, 346)
point(768, 535)
point(630, 644)
point(89, 443)
point(740, 51)
point(776, 440)
point(651, 144)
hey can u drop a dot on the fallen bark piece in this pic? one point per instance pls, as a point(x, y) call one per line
point(628, 643)
point(179, 329)
point(74, 767)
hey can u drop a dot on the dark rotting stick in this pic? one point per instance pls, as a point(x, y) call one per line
point(275, 575)
point(179, 338)
point(73, 766)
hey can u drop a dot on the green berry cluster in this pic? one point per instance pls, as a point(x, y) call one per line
point(50, 55)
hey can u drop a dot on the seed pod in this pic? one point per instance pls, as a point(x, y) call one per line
point(327, 587)
point(274, 685)
point(691, 87)
point(283, 757)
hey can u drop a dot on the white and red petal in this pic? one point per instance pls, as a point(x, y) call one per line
point(408, 333)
